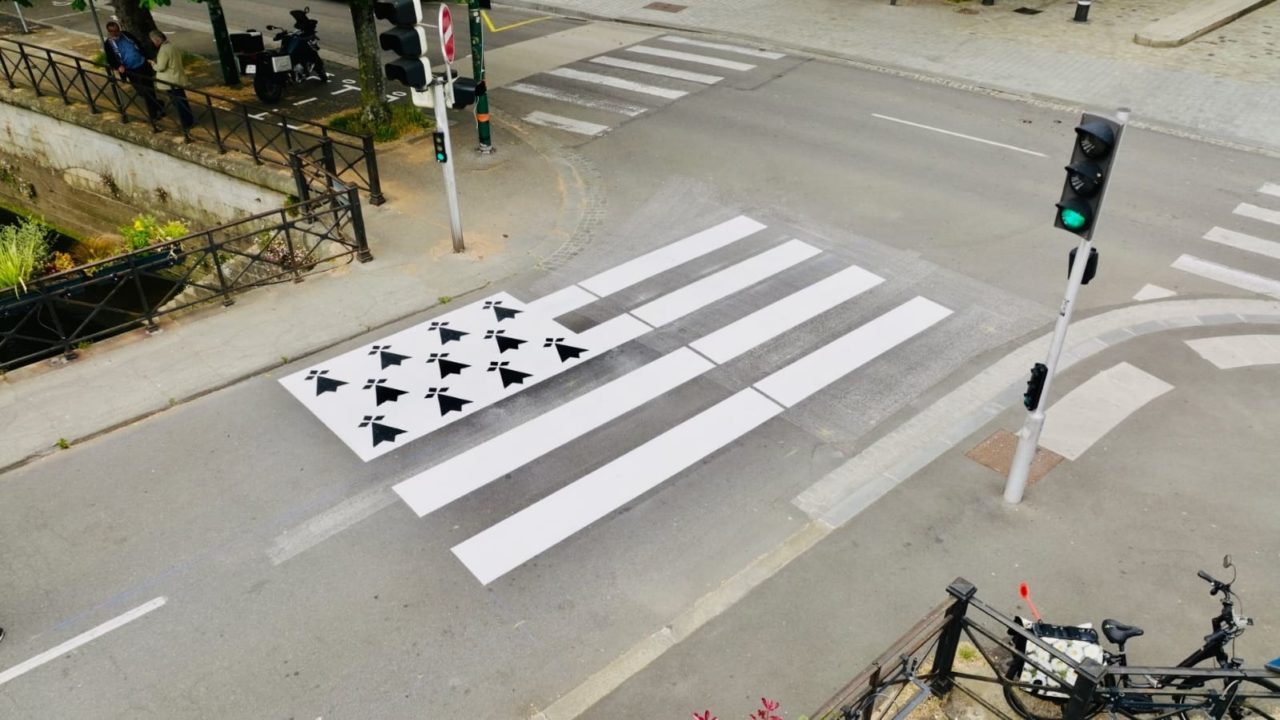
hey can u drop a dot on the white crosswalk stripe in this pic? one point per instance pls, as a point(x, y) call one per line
point(691, 57)
point(1228, 275)
point(751, 52)
point(619, 83)
point(573, 98)
point(1250, 210)
point(652, 69)
point(519, 538)
point(1270, 189)
point(1259, 246)
point(1242, 241)
point(560, 122)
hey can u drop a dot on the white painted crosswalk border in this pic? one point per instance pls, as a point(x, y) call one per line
point(560, 122)
point(1270, 189)
point(691, 58)
point(661, 70)
point(1084, 415)
point(564, 96)
point(484, 463)
point(1228, 275)
point(1228, 352)
point(750, 52)
point(1241, 241)
point(1250, 210)
point(618, 83)
point(510, 543)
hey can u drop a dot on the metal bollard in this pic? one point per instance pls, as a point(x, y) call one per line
point(1082, 10)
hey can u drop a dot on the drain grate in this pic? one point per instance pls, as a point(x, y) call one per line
point(1028, 11)
point(665, 7)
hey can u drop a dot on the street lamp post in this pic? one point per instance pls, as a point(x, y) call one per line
point(477, 71)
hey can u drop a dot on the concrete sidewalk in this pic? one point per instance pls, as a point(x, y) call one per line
point(1221, 84)
point(519, 207)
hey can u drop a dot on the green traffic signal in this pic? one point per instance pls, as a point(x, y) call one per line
point(1073, 219)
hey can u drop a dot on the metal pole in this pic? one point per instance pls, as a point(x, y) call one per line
point(442, 124)
point(1082, 10)
point(21, 19)
point(477, 71)
point(102, 40)
point(1029, 436)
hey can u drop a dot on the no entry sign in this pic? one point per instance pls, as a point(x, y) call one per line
point(446, 32)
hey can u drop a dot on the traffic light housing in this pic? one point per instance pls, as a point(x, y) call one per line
point(1090, 266)
point(1035, 386)
point(406, 38)
point(1092, 155)
point(442, 152)
point(465, 91)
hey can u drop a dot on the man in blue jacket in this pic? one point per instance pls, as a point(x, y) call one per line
point(126, 55)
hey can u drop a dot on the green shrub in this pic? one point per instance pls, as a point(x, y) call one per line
point(23, 248)
point(146, 230)
point(405, 120)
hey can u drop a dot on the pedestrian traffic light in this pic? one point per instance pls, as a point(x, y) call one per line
point(407, 38)
point(1092, 155)
point(1035, 386)
point(442, 153)
point(1090, 267)
point(465, 91)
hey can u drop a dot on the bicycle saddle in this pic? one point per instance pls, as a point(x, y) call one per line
point(1117, 632)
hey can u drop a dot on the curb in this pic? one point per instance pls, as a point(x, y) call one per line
point(1194, 21)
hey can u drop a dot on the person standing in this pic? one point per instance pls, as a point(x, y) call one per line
point(172, 77)
point(125, 54)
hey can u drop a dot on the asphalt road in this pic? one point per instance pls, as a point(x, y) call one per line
point(295, 581)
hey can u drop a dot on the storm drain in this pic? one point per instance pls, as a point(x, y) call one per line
point(664, 7)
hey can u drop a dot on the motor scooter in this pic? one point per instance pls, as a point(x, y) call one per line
point(295, 60)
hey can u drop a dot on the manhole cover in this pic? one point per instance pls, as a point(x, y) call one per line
point(1028, 11)
point(664, 7)
point(996, 452)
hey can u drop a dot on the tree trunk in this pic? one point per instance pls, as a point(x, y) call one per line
point(136, 19)
point(373, 94)
point(222, 41)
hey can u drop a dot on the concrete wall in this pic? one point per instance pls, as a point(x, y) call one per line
point(89, 182)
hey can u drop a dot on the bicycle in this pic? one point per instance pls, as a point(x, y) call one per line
point(1148, 692)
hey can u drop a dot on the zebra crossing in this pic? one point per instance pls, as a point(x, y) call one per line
point(419, 361)
point(593, 96)
point(1255, 230)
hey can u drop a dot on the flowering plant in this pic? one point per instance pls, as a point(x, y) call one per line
point(764, 712)
point(146, 230)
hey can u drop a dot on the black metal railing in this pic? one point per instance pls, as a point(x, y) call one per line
point(264, 135)
point(923, 664)
point(56, 314)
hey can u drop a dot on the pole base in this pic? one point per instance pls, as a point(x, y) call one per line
point(486, 149)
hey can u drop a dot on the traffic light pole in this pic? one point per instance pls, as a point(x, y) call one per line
point(451, 187)
point(1029, 436)
point(477, 71)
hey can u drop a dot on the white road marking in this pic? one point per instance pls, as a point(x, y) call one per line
point(619, 83)
point(691, 57)
point(1270, 189)
point(482, 464)
point(329, 523)
point(1228, 275)
point(573, 98)
point(524, 535)
point(561, 122)
point(79, 640)
point(1235, 351)
point(772, 320)
point(305, 101)
point(669, 256)
point(613, 332)
point(1153, 292)
point(562, 301)
point(1096, 407)
point(1245, 242)
point(811, 373)
point(751, 52)
point(959, 135)
point(1258, 213)
point(697, 77)
point(718, 285)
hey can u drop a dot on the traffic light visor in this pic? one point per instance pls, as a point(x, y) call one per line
point(1085, 178)
point(399, 12)
point(1095, 139)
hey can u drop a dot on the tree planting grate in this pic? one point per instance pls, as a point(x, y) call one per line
point(664, 7)
point(1028, 11)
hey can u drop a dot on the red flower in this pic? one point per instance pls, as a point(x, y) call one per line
point(704, 715)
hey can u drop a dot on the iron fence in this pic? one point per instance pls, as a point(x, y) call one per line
point(264, 135)
point(923, 664)
point(56, 314)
